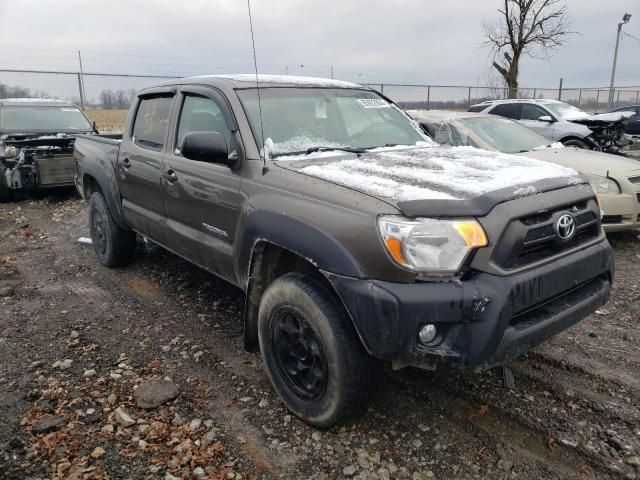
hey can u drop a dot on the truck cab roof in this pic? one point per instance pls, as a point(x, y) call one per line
point(248, 80)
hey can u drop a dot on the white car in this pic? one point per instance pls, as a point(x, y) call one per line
point(616, 179)
point(561, 122)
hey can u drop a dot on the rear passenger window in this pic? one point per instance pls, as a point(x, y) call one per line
point(509, 110)
point(152, 120)
point(477, 108)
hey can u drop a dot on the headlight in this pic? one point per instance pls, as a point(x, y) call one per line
point(430, 245)
point(603, 184)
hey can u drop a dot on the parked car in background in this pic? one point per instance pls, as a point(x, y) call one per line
point(633, 125)
point(36, 144)
point(561, 122)
point(356, 239)
point(616, 179)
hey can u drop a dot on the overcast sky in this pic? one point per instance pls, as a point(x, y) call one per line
point(410, 41)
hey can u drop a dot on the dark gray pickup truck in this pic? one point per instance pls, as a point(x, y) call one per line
point(356, 239)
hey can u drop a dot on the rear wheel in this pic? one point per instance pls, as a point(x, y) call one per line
point(312, 353)
point(5, 191)
point(574, 142)
point(114, 246)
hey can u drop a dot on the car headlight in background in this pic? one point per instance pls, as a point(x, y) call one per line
point(603, 184)
point(430, 245)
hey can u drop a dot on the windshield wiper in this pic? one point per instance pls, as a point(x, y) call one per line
point(328, 149)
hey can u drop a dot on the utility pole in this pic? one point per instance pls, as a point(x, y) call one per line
point(81, 81)
point(560, 90)
point(331, 72)
point(625, 19)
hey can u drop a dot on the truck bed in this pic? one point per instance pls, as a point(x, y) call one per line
point(96, 155)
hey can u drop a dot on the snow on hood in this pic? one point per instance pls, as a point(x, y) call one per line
point(604, 117)
point(429, 173)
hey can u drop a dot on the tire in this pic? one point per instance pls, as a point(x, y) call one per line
point(574, 142)
point(312, 353)
point(114, 246)
point(5, 192)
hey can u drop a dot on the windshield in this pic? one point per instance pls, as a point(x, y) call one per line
point(299, 119)
point(52, 119)
point(566, 111)
point(504, 135)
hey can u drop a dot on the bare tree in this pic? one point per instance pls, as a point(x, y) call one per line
point(525, 27)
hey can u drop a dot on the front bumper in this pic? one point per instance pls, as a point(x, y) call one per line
point(483, 321)
point(621, 211)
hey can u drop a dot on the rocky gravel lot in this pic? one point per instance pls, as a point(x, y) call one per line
point(140, 373)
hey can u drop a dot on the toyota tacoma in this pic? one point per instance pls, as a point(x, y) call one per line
point(357, 240)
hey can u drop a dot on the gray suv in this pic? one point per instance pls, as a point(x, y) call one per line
point(561, 122)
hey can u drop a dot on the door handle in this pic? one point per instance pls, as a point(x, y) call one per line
point(170, 176)
point(126, 163)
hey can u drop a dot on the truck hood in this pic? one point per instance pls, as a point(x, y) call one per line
point(588, 161)
point(436, 180)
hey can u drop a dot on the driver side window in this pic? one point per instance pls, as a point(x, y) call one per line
point(201, 114)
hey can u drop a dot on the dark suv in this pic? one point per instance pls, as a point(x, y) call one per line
point(356, 239)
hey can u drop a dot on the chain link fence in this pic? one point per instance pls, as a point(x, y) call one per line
point(98, 92)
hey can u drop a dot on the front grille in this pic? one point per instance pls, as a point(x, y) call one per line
point(585, 217)
point(533, 238)
point(539, 233)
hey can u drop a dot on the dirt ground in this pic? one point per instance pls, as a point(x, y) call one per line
point(77, 338)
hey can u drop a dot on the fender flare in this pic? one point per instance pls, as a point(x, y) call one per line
point(298, 237)
point(301, 238)
point(107, 186)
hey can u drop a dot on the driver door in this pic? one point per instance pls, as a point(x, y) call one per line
point(202, 199)
point(530, 118)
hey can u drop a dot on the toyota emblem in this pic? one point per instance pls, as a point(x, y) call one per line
point(566, 226)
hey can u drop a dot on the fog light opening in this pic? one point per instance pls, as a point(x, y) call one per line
point(427, 333)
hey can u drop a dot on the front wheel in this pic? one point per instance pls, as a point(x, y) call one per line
point(114, 246)
point(574, 142)
point(312, 353)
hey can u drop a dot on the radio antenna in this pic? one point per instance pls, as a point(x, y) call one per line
point(255, 65)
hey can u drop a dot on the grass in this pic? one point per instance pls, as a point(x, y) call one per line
point(108, 120)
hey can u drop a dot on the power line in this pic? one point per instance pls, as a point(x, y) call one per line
point(631, 36)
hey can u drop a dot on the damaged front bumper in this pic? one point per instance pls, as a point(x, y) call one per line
point(483, 321)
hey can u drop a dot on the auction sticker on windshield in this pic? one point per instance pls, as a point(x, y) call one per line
point(373, 103)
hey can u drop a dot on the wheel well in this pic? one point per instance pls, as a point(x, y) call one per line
point(89, 185)
point(269, 262)
point(565, 139)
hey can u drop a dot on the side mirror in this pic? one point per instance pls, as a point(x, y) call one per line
point(546, 118)
point(205, 147)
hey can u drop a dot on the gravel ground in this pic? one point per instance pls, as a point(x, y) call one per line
point(77, 340)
